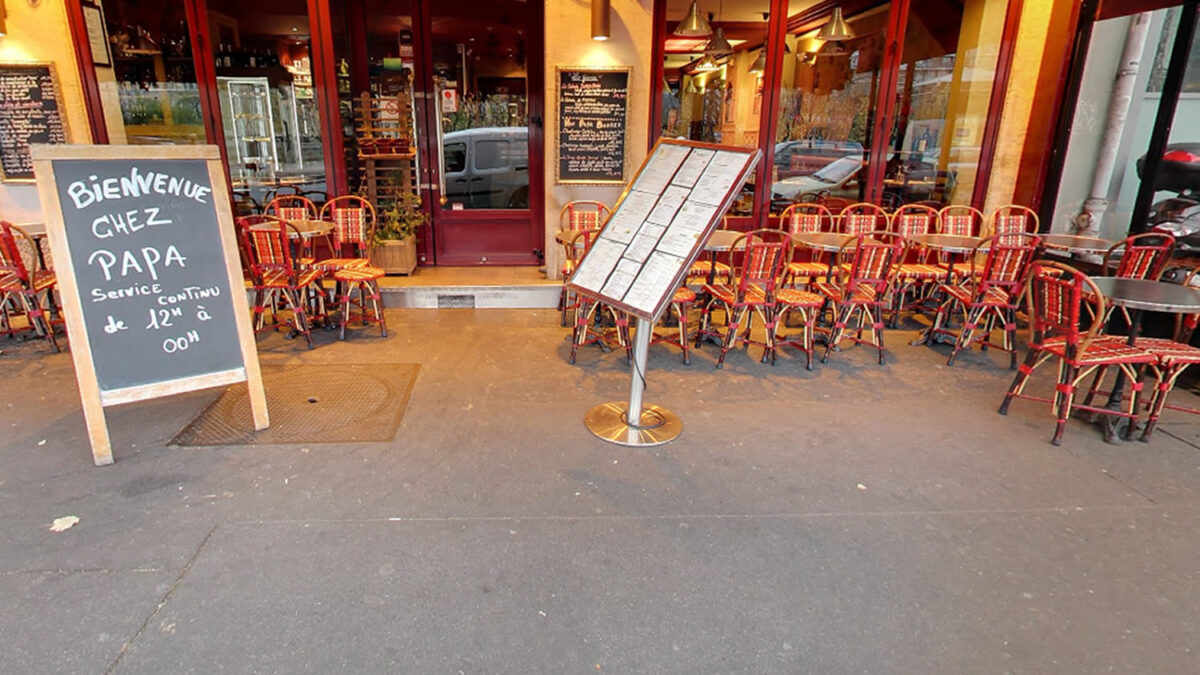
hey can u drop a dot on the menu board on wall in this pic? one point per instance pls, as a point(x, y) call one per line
point(661, 224)
point(30, 112)
point(148, 272)
point(592, 105)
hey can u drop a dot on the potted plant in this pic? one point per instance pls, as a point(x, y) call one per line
point(394, 245)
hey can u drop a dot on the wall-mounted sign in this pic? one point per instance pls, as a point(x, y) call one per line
point(592, 105)
point(149, 275)
point(30, 112)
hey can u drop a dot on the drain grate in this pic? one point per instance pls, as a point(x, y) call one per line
point(336, 403)
point(456, 302)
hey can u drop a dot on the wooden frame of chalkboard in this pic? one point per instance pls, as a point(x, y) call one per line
point(595, 177)
point(58, 110)
point(132, 233)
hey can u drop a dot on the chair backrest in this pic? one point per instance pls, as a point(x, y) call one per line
point(869, 259)
point(265, 243)
point(861, 218)
point(806, 217)
point(763, 254)
point(1142, 256)
point(583, 215)
point(960, 220)
point(11, 260)
point(1059, 295)
point(1013, 219)
point(580, 243)
point(291, 207)
point(911, 220)
point(354, 221)
point(1006, 263)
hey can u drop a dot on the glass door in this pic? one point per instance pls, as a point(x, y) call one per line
point(483, 116)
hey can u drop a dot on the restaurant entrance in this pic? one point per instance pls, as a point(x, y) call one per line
point(442, 101)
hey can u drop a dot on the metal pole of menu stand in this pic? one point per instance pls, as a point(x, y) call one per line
point(634, 424)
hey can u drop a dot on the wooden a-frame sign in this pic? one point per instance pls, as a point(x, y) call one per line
point(149, 275)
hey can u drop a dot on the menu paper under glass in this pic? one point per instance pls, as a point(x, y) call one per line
point(150, 268)
point(660, 225)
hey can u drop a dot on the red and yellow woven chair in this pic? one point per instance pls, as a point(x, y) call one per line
point(867, 267)
point(681, 304)
point(806, 218)
point(575, 216)
point(1059, 298)
point(590, 314)
point(862, 218)
point(1142, 256)
point(1012, 219)
point(958, 220)
point(762, 254)
point(291, 207)
point(277, 277)
point(354, 224)
point(918, 273)
point(22, 288)
point(990, 295)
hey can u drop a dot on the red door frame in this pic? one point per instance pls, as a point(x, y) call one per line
point(324, 67)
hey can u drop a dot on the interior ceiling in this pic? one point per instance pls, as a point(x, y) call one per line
point(732, 10)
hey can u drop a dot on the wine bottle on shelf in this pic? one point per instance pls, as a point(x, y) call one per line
point(227, 56)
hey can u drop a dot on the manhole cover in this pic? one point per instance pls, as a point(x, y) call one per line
point(337, 403)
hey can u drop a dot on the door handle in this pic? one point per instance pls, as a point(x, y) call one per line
point(476, 179)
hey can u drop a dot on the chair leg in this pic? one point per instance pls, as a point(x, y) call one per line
point(377, 301)
point(877, 329)
point(732, 330)
point(1101, 371)
point(682, 309)
point(1010, 336)
point(347, 289)
point(1065, 398)
point(970, 324)
point(1018, 383)
point(1164, 383)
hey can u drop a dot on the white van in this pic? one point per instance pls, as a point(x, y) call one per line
point(487, 168)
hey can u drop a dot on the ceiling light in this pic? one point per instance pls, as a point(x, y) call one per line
point(718, 44)
point(760, 64)
point(693, 25)
point(599, 19)
point(707, 64)
point(836, 29)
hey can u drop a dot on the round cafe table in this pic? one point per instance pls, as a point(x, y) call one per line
point(1074, 243)
point(1138, 296)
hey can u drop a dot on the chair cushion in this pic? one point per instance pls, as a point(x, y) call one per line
point(1169, 352)
point(684, 295)
point(1104, 349)
point(966, 294)
point(794, 297)
point(727, 294)
point(352, 274)
point(700, 268)
point(335, 264)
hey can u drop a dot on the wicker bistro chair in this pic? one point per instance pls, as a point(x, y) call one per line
point(1012, 219)
point(23, 288)
point(291, 207)
point(861, 218)
point(277, 277)
point(861, 287)
point(589, 313)
point(990, 295)
point(962, 221)
point(1059, 297)
point(1142, 256)
point(918, 273)
point(573, 217)
point(807, 218)
point(707, 270)
point(762, 254)
point(681, 304)
point(354, 224)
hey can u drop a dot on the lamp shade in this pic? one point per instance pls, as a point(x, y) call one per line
point(693, 25)
point(707, 64)
point(760, 63)
point(836, 29)
point(718, 44)
point(600, 19)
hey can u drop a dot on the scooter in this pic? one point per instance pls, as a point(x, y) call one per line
point(1178, 216)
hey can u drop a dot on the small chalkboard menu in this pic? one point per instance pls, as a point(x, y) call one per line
point(148, 271)
point(660, 225)
point(592, 105)
point(30, 112)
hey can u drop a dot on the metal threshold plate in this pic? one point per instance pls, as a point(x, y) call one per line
point(656, 426)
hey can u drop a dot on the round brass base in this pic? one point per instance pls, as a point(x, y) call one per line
point(657, 425)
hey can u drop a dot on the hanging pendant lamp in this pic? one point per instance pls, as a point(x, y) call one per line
point(707, 64)
point(693, 25)
point(718, 44)
point(760, 63)
point(836, 29)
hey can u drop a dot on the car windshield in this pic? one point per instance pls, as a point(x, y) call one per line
point(838, 170)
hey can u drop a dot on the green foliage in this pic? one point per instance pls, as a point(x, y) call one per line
point(400, 219)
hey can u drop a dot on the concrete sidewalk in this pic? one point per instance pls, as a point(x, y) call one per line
point(855, 518)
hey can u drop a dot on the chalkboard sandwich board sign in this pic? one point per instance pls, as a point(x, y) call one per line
point(30, 112)
point(148, 271)
point(592, 108)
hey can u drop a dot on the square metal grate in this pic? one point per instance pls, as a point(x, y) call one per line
point(456, 301)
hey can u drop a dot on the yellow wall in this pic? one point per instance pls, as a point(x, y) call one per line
point(37, 32)
point(569, 43)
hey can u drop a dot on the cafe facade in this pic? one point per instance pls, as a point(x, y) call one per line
point(493, 115)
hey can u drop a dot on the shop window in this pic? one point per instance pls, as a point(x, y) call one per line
point(943, 92)
point(828, 99)
point(147, 79)
point(267, 99)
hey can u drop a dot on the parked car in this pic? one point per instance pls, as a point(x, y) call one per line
point(838, 178)
point(487, 168)
point(807, 156)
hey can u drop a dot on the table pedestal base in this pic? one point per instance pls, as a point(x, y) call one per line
point(656, 426)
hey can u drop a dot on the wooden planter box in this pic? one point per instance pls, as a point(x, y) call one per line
point(396, 257)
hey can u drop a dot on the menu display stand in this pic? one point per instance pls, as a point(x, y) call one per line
point(643, 254)
point(149, 275)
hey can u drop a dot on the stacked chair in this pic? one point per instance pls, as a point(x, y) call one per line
point(31, 291)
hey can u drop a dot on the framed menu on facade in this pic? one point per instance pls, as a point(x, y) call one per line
point(660, 225)
point(31, 111)
point(592, 106)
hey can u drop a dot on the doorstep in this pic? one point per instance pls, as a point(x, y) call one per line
point(471, 287)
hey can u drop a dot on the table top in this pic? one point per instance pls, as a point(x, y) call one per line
point(1155, 296)
point(721, 240)
point(951, 243)
point(824, 241)
point(1076, 243)
point(306, 228)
